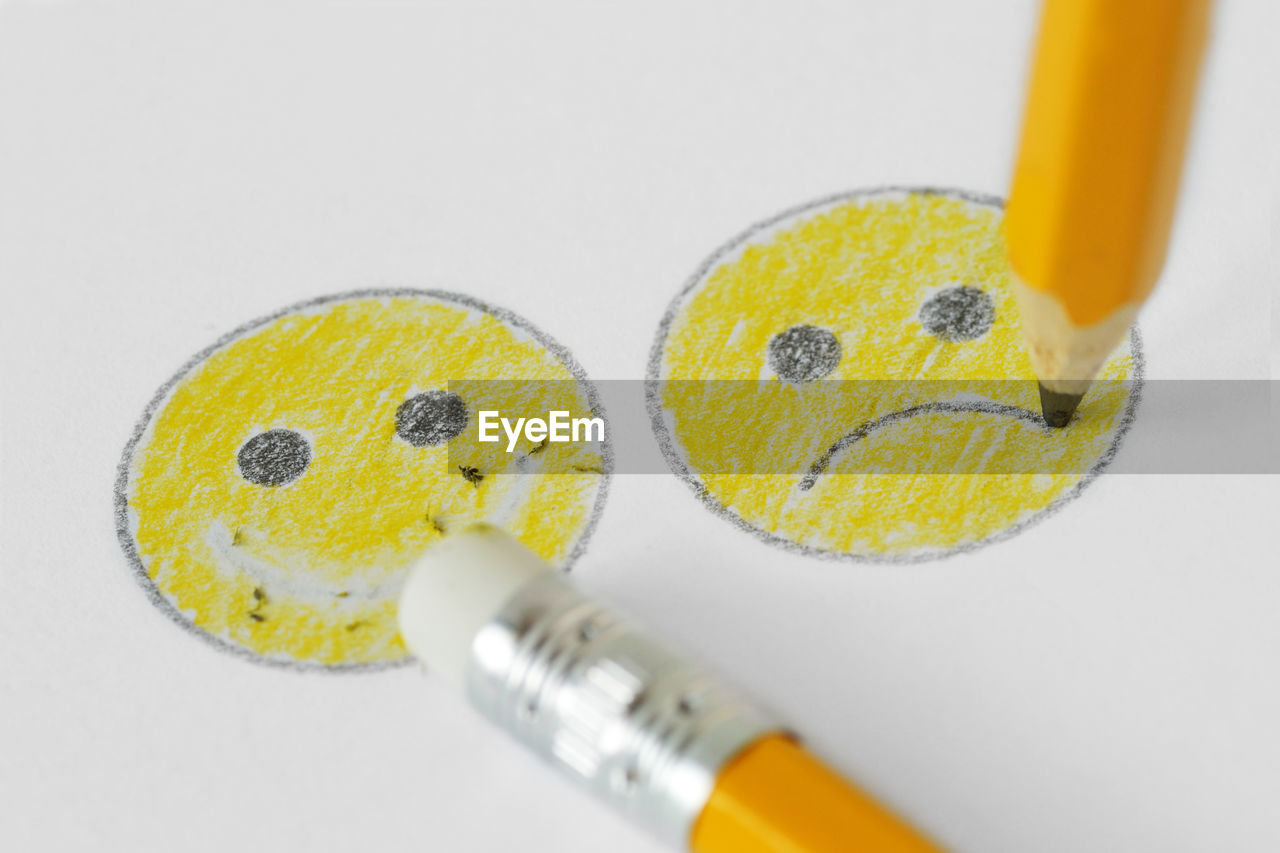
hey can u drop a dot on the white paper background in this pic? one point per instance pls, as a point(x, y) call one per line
point(169, 171)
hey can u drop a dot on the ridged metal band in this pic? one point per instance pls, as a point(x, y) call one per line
point(642, 727)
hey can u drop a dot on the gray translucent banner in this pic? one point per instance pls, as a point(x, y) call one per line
point(816, 429)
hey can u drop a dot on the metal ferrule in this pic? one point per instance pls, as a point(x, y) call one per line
point(645, 729)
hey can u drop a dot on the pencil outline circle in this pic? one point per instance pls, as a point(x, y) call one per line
point(680, 468)
point(121, 501)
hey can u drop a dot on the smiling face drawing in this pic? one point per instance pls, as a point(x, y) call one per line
point(883, 394)
point(278, 487)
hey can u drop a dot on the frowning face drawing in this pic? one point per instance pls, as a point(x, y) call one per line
point(882, 329)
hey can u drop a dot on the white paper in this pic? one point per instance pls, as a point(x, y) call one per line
point(170, 172)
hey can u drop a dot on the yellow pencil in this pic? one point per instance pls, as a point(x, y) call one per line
point(1097, 177)
point(662, 740)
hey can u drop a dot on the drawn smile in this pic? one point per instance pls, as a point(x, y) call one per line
point(306, 582)
point(307, 586)
point(280, 484)
point(821, 465)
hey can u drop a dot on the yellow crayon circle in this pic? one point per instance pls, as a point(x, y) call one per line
point(905, 296)
point(279, 485)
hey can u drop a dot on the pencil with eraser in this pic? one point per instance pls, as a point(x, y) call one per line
point(1096, 179)
point(674, 747)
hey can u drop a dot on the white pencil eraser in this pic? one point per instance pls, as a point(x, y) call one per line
point(457, 586)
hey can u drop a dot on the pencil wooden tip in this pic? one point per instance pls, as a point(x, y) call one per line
point(1058, 407)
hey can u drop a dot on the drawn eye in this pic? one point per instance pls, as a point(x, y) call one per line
point(432, 417)
point(803, 353)
point(274, 458)
point(958, 313)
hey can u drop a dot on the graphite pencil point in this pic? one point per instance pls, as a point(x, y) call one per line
point(1058, 407)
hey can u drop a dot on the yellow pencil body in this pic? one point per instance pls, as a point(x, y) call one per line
point(1097, 174)
point(777, 798)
